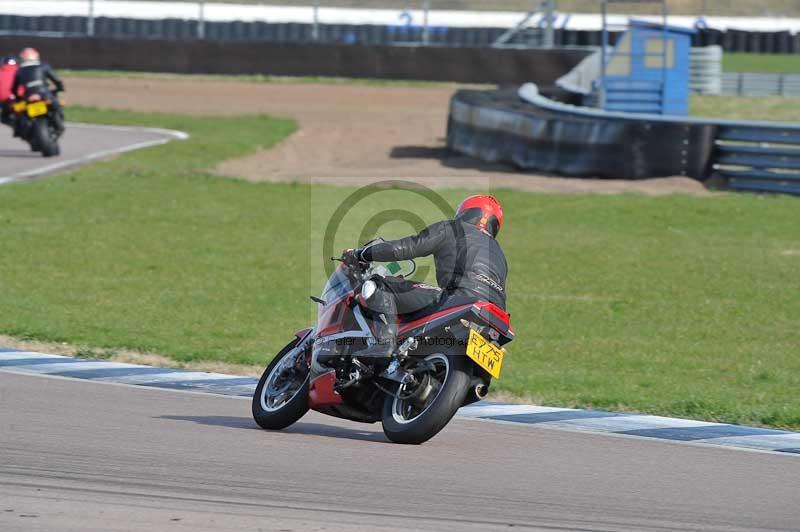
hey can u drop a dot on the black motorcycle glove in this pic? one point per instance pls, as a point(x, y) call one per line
point(365, 254)
point(353, 256)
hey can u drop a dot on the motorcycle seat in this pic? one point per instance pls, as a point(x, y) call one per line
point(489, 311)
point(415, 319)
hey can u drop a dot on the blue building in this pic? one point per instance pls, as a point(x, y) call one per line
point(648, 70)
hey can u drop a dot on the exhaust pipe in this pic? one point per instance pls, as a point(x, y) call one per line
point(480, 390)
point(477, 391)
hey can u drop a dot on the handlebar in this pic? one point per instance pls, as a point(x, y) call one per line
point(362, 266)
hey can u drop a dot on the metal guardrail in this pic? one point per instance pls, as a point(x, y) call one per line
point(755, 158)
point(761, 84)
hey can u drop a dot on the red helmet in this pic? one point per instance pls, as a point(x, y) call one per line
point(29, 54)
point(485, 212)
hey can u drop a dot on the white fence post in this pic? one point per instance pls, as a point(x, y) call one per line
point(549, 31)
point(315, 24)
point(426, 36)
point(90, 20)
point(201, 20)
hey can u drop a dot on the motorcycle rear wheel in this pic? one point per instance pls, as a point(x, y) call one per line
point(45, 139)
point(281, 397)
point(405, 421)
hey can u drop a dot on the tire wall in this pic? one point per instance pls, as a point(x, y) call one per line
point(465, 65)
point(778, 42)
point(497, 126)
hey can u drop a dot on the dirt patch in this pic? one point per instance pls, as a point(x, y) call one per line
point(129, 357)
point(348, 134)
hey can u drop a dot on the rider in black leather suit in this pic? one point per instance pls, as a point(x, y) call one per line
point(470, 266)
point(33, 76)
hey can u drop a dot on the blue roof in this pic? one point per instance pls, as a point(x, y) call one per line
point(638, 23)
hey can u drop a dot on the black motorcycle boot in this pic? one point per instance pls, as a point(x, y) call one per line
point(383, 322)
point(386, 339)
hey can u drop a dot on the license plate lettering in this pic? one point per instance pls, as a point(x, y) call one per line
point(485, 354)
point(37, 109)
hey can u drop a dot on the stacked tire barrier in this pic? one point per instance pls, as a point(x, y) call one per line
point(706, 69)
point(754, 42)
point(498, 126)
point(364, 34)
point(533, 133)
point(430, 63)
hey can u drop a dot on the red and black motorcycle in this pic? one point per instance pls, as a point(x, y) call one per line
point(444, 360)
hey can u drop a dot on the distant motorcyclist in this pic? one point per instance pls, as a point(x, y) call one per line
point(8, 73)
point(470, 266)
point(33, 77)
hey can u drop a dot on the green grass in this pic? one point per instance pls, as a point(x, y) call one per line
point(673, 305)
point(740, 108)
point(774, 63)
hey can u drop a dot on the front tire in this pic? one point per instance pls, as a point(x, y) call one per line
point(410, 423)
point(281, 397)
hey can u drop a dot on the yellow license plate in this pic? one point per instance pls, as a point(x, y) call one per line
point(485, 354)
point(37, 109)
point(19, 107)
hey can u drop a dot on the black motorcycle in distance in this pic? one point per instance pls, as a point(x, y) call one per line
point(36, 123)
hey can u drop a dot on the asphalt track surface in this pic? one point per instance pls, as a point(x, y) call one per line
point(84, 456)
point(81, 144)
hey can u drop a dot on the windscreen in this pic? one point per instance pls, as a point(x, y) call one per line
point(337, 286)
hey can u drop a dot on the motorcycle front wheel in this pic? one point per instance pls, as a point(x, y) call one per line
point(281, 397)
point(414, 418)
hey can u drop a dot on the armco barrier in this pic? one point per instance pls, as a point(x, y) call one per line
point(761, 84)
point(535, 133)
point(466, 65)
point(751, 156)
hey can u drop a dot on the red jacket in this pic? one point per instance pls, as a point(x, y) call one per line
point(7, 75)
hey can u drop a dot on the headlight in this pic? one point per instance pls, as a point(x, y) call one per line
point(368, 288)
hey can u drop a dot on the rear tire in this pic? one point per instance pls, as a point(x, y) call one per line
point(45, 139)
point(279, 417)
point(420, 427)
